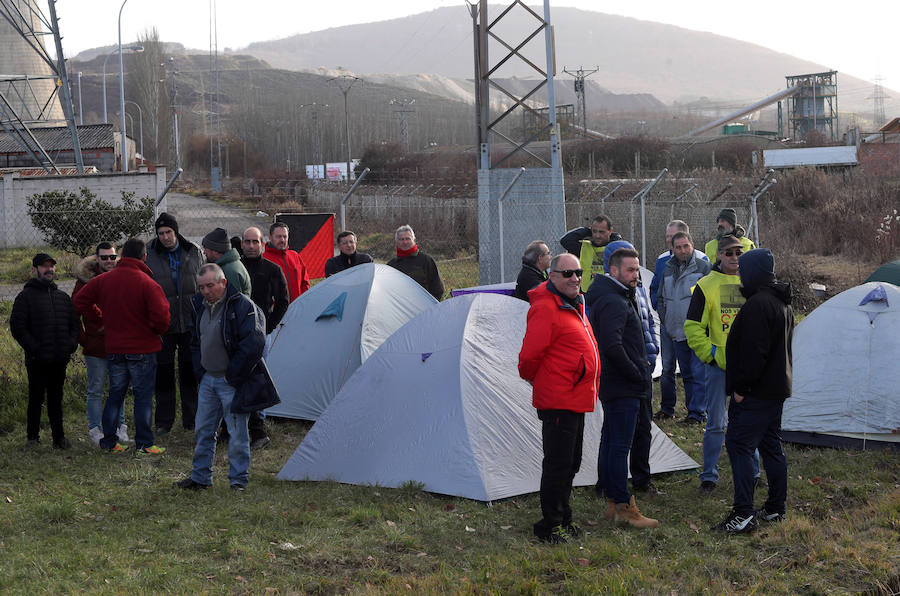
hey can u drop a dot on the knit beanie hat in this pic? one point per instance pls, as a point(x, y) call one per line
point(611, 248)
point(756, 268)
point(728, 215)
point(166, 221)
point(217, 240)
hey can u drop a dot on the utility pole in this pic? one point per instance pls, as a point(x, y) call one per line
point(317, 135)
point(473, 11)
point(173, 100)
point(580, 75)
point(344, 82)
point(878, 96)
point(403, 108)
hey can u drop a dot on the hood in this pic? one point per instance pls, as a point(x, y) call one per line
point(604, 285)
point(779, 289)
point(756, 268)
point(86, 269)
point(39, 284)
point(611, 248)
point(229, 256)
point(183, 243)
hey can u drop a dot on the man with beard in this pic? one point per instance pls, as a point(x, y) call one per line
point(587, 244)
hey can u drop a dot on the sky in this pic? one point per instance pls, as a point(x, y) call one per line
point(859, 42)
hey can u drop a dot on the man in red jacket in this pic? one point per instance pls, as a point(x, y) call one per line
point(559, 358)
point(289, 260)
point(135, 313)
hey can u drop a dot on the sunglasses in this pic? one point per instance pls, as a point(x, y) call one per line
point(570, 272)
point(107, 257)
point(733, 253)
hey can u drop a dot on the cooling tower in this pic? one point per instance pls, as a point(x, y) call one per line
point(29, 98)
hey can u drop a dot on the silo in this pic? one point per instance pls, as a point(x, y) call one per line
point(19, 62)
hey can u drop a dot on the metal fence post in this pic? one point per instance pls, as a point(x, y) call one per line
point(347, 196)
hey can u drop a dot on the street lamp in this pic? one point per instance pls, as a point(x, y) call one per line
point(122, 94)
point(317, 143)
point(141, 121)
point(133, 48)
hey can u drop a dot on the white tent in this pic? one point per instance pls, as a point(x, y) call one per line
point(332, 328)
point(846, 386)
point(441, 403)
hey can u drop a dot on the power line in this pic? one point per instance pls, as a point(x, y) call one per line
point(580, 75)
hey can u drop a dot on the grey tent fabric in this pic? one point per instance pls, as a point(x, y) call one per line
point(441, 403)
point(846, 372)
point(331, 329)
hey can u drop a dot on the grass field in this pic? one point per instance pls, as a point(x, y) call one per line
point(86, 521)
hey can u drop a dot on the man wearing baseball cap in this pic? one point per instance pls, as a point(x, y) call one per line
point(45, 324)
point(726, 224)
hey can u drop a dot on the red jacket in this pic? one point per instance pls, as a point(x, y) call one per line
point(292, 266)
point(133, 308)
point(559, 354)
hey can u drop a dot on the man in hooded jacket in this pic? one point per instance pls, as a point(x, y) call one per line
point(758, 377)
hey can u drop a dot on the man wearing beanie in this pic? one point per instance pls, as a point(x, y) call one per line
point(174, 263)
point(727, 224)
point(758, 379)
point(218, 250)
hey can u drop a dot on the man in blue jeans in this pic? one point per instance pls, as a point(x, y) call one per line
point(134, 312)
point(758, 378)
point(227, 340)
point(624, 380)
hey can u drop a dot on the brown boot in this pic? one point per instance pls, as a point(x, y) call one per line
point(610, 509)
point(629, 512)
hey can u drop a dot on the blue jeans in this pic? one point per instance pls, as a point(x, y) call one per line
point(716, 421)
point(140, 371)
point(96, 379)
point(213, 403)
point(619, 419)
point(693, 376)
point(667, 396)
point(756, 423)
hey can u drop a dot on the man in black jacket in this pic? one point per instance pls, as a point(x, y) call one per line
point(45, 324)
point(758, 377)
point(535, 263)
point(415, 263)
point(174, 261)
point(347, 256)
point(269, 291)
point(624, 379)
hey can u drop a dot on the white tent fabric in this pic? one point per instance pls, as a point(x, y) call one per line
point(441, 403)
point(846, 373)
point(333, 328)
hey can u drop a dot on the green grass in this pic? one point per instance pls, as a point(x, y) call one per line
point(86, 521)
point(15, 263)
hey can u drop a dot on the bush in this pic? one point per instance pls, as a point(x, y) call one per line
point(75, 223)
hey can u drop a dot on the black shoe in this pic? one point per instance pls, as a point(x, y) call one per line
point(238, 487)
point(31, 444)
point(769, 516)
point(759, 483)
point(707, 486)
point(648, 489)
point(573, 530)
point(737, 524)
point(663, 416)
point(260, 443)
point(189, 484)
point(557, 535)
point(162, 430)
point(62, 443)
point(690, 420)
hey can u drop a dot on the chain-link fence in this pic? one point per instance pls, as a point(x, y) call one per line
point(444, 216)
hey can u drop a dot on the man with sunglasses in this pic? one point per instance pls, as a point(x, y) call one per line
point(714, 304)
point(559, 359)
point(92, 340)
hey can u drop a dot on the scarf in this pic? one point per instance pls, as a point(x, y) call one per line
point(407, 253)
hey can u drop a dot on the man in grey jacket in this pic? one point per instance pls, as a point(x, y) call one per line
point(678, 279)
point(175, 262)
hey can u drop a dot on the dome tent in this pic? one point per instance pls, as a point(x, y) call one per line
point(332, 328)
point(441, 403)
point(846, 378)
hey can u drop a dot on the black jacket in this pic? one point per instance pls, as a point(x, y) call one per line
point(759, 361)
point(268, 289)
point(529, 278)
point(179, 298)
point(616, 320)
point(423, 269)
point(44, 322)
point(341, 262)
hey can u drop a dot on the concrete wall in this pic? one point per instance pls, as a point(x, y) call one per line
point(15, 224)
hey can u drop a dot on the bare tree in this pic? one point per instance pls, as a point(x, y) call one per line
point(146, 80)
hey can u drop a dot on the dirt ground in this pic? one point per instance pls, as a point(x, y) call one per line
point(836, 272)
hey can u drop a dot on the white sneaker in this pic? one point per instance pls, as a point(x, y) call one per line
point(96, 434)
point(122, 434)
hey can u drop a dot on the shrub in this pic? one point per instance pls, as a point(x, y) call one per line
point(75, 223)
